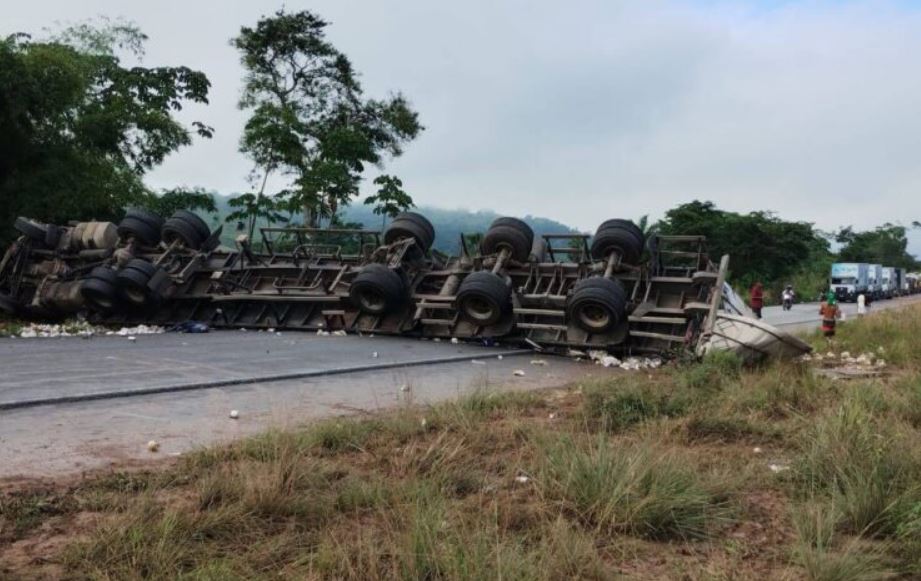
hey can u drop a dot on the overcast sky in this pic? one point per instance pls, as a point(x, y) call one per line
point(586, 110)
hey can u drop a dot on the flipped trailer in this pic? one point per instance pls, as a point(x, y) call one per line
point(615, 291)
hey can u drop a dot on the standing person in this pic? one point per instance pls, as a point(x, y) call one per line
point(830, 314)
point(861, 305)
point(756, 298)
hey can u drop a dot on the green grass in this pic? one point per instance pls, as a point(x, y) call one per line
point(642, 490)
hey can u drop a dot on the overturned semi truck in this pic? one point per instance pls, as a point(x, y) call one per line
point(618, 290)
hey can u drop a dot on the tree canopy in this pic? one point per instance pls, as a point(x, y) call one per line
point(78, 129)
point(762, 246)
point(886, 245)
point(390, 198)
point(309, 118)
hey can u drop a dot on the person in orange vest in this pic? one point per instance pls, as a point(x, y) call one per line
point(830, 314)
point(756, 299)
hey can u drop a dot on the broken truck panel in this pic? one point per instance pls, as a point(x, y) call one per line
point(617, 290)
point(731, 326)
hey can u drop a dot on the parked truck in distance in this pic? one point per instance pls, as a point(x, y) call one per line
point(889, 282)
point(849, 279)
point(875, 282)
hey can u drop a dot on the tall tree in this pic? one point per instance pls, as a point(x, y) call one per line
point(251, 208)
point(309, 120)
point(390, 198)
point(78, 129)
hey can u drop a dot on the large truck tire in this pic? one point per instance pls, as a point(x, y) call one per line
point(484, 298)
point(378, 290)
point(134, 283)
point(143, 225)
point(411, 225)
point(597, 304)
point(177, 229)
point(617, 238)
point(509, 234)
point(100, 289)
point(31, 229)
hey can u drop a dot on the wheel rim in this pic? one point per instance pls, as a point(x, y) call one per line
point(372, 300)
point(135, 295)
point(100, 301)
point(594, 317)
point(479, 309)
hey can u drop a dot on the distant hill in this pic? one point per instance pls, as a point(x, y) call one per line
point(449, 224)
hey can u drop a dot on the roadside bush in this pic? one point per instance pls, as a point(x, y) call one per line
point(711, 373)
point(614, 407)
point(863, 465)
point(823, 557)
point(638, 489)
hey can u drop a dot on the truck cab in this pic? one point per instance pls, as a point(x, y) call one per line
point(849, 280)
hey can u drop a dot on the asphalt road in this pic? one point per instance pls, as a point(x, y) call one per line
point(54, 440)
point(805, 316)
point(37, 368)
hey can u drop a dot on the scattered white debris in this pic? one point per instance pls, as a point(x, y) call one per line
point(881, 349)
point(777, 468)
point(423, 422)
point(880, 362)
point(437, 339)
point(830, 355)
point(455, 340)
point(845, 355)
point(322, 333)
point(539, 362)
point(153, 445)
point(340, 333)
point(757, 450)
point(518, 373)
point(375, 355)
point(139, 330)
point(405, 387)
point(522, 479)
point(132, 339)
point(552, 416)
point(234, 414)
point(576, 353)
point(278, 333)
point(477, 362)
point(82, 329)
point(499, 357)
point(271, 329)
